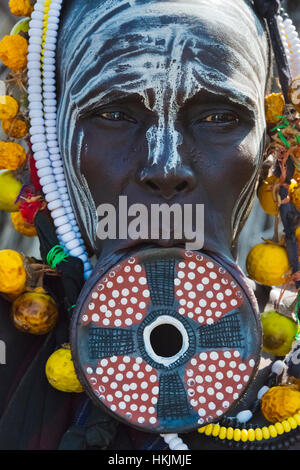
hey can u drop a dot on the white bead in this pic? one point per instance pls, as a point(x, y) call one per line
point(42, 155)
point(50, 116)
point(41, 163)
point(244, 416)
point(50, 122)
point(175, 441)
point(50, 102)
point(33, 56)
point(34, 48)
point(61, 184)
point(35, 97)
point(71, 245)
point(77, 251)
point(278, 367)
point(35, 32)
point(50, 89)
point(181, 446)
point(64, 229)
point(50, 40)
point(52, 144)
point(49, 54)
point(168, 437)
point(49, 188)
point(36, 114)
point(49, 96)
point(39, 146)
point(60, 176)
point(32, 89)
point(53, 150)
point(35, 23)
point(35, 39)
point(44, 171)
point(52, 33)
point(33, 74)
point(36, 138)
point(35, 105)
point(66, 237)
point(48, 68)
point(36, 130)
point(36, 15)
point(35, 81)
point(48, 179)
point(54, 205)
point(58, 221)
point(262, 391)
point(52, 196)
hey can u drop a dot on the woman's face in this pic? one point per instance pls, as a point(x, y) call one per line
point(164, 103)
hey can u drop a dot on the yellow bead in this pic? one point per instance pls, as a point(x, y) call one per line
point(229, 434)
point(272, 430)
point(222, 433)
point(286, 425)
point(279, 428)
point(208, 429)
point(201, 430)
point(258, 434)
point(251, 435)
point(237, 434)
point(297, 418)
point(265, 432)
point(244, 435)
point(216, 430)
point(292, 422)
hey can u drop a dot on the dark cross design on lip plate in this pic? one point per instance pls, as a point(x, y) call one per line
point(225, 334)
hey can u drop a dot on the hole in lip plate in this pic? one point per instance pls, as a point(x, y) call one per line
point(175, 345)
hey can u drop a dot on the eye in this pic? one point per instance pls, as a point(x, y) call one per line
point(221, 118)
point(116, 116)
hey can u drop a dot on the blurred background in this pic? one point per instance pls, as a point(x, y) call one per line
point(258, 225)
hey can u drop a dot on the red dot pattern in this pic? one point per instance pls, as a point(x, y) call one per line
point(128, 386)
point(214, 380)
point(120, 299)
point(204, 290)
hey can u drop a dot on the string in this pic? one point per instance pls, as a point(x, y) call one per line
point(56, 256)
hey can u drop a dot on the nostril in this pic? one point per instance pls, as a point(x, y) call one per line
point(181, 186)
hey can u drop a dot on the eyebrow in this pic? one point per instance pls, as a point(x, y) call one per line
point(116, 96)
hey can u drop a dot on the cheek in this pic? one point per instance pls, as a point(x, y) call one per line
point(105, 162)
point(229, 169)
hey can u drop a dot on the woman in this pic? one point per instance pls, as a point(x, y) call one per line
point(159, 102)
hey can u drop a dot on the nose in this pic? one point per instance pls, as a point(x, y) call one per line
point(168, 184)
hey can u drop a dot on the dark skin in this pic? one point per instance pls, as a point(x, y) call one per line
point(219, 154)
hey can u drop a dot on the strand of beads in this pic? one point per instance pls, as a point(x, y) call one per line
point(253, 434)
point(42, 112)
point(291, 42)
point(174, 442)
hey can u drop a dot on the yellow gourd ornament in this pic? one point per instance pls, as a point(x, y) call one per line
point(278, 333)
point(10, 189)
point(12, 272)
point(60, 371)
point(268, 264)
point(280, 402)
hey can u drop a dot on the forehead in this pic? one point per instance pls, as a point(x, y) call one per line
point(133, 48)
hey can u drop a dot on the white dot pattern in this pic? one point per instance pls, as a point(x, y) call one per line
point(120, 299)
point(215, 379)
point(128, 386)
point(206, 283)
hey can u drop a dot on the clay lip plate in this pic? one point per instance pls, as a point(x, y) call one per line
point(114, 357)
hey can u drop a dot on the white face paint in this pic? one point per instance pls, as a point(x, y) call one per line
point(137, 47)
